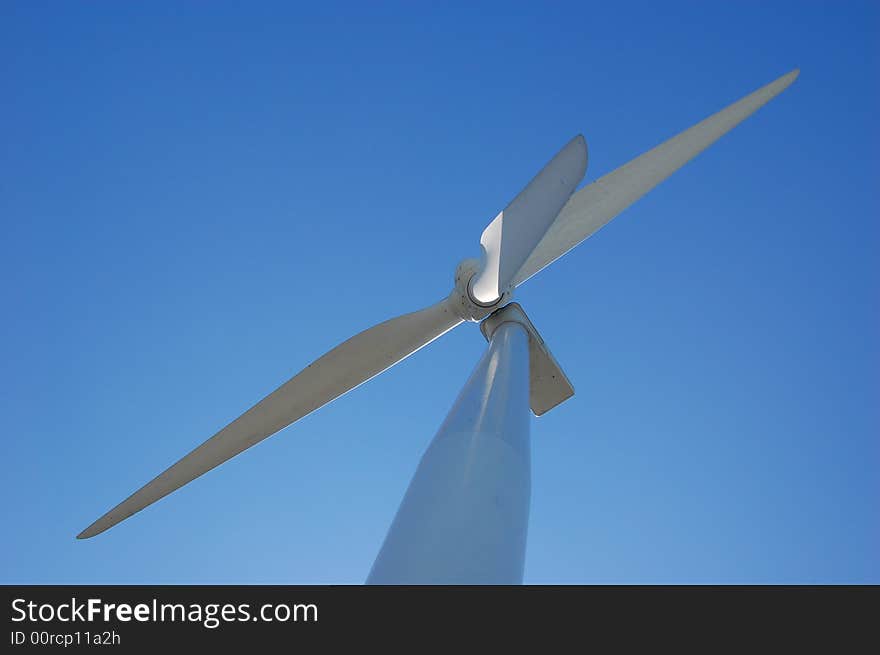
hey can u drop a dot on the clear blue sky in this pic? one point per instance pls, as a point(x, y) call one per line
point(198, 200)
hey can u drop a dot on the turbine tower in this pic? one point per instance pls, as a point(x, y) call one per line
point(464, 517)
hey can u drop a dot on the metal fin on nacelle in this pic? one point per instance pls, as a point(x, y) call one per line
point(548, 384)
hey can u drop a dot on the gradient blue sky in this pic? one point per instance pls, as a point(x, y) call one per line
point(198, 199)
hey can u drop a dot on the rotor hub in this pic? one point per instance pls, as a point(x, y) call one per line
point(464, 303)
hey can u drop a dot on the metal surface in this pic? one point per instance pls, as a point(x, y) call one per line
point(464, 518)
point(548, 384)
point(597, 203)
point(351, 363)
point(510, 238)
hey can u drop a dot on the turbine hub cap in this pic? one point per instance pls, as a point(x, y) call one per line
point(465, 305)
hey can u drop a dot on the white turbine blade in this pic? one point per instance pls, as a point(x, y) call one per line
point(596, 204)
point(512, 235)
point(349, 364)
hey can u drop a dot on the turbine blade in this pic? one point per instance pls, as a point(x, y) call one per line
point(596, 204)
point(346, 366)
point(512, 235)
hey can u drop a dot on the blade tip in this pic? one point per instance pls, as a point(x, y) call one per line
point(90, 532)
point(581, 144)
point(789, 77)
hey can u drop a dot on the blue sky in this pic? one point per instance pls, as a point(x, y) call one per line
point(198, 200)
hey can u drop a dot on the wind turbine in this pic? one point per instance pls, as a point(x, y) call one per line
point(464, 516)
